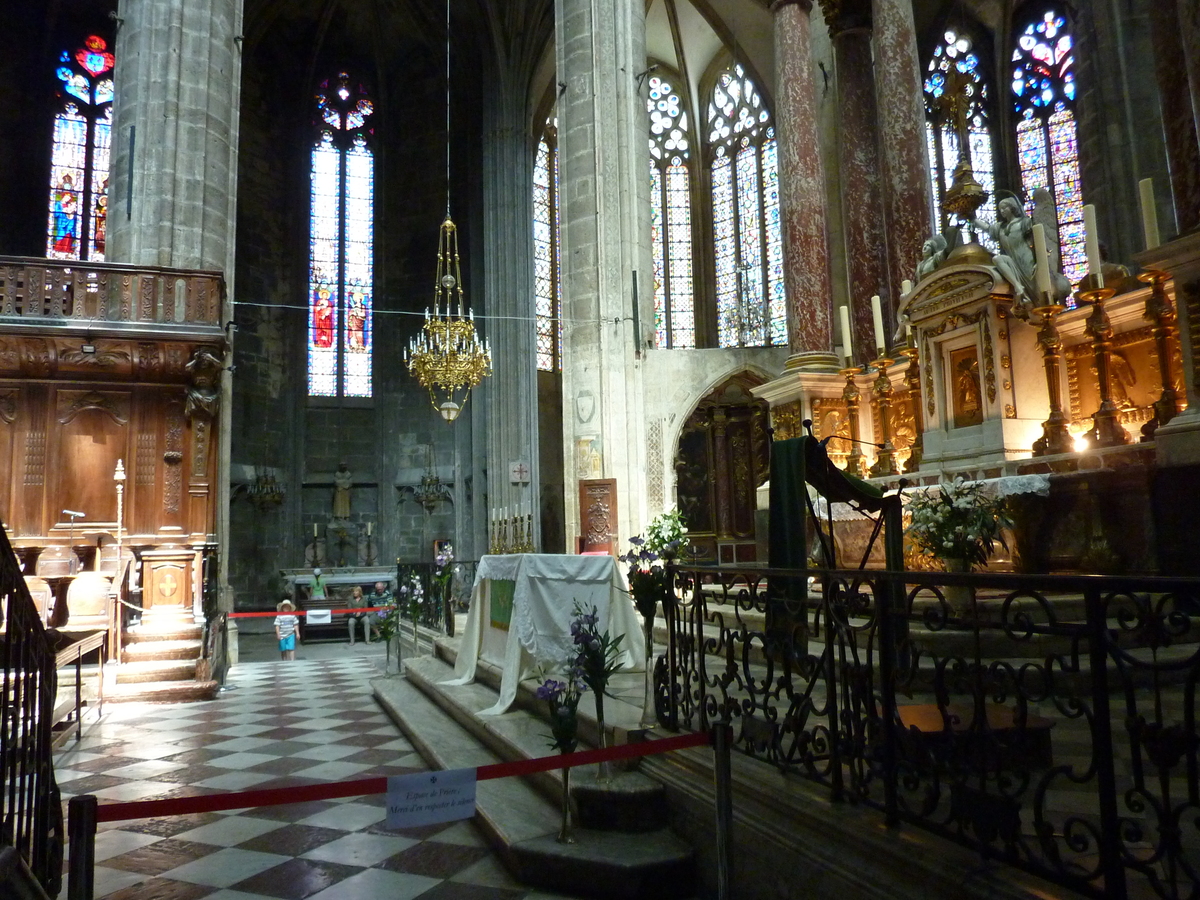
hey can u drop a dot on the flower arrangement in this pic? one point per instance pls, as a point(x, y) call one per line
point(958, 522)
point(647, 576)
point(597, 655)
point(563, 699)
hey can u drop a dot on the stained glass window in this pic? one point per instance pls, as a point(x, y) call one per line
point(341, 271)
point(546, 275)
point(747, 238)
point(671, 216)
point(1043, 91)
point(954, 79)
point(78, 214)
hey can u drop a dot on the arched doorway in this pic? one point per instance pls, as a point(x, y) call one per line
point(721, 459)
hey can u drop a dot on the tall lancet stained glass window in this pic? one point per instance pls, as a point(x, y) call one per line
point(547, 278)
point(747, 238)
point(671, 216)
point(1043, 92)
point(78, 215)
point(341, 243)
point(954, 84)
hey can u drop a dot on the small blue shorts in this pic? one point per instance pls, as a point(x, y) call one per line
point(287, 643)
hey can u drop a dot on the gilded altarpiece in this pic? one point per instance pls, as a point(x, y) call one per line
point(723, 457)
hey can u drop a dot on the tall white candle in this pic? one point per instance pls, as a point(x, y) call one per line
point(1149, 212)
point(369, 529)
point(314, 529)
point(1041, 272)
point(847, 343)
point(1092, 241)
point(905, 288)
point(877, 318)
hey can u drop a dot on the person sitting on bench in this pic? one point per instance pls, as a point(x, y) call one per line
point(352, 620)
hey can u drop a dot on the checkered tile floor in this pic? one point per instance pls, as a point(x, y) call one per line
point(277, 724)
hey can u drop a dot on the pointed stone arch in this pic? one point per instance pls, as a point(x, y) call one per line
point(721, 457)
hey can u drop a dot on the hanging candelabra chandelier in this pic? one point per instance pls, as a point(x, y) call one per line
point(447, 356)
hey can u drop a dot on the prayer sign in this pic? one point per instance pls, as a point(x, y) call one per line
point(429, 798)
point(318, 617)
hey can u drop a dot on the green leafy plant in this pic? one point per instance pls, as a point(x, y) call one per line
point(958, 521)
point(597, 654)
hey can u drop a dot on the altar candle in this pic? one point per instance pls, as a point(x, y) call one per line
point(877, 318)
point(847, 344)
point(1041, 270)
point(369, 529)
point(314, 529)
point(1149, 212)
point(1092, 241)
point(905, 288)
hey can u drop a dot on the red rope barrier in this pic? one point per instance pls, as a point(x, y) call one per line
point(297, 612)
point(180, 806)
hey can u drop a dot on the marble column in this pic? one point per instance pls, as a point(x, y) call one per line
point(605, 225)
point(511, 392)
point(173, 187)
point(863, 223)
point(1179, 114)
point(906, 191)
point(802, 191)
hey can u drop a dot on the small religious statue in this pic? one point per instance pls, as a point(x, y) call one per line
point(933, 254)
point(203, 396)
point(343, 480)
point(1013, 231)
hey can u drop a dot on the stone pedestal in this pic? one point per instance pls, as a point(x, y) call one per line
point(983, 385)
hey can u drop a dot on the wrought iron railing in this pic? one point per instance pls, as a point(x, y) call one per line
point(1048, 722)
point(30, 807)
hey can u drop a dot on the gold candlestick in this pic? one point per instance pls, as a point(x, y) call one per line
point(1055, 437)
point(912, 381)
point(885, 462)
point(855, 463)
point(1161, 314)
point(1107, 430)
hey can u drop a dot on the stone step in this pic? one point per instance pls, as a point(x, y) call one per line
point(162, 692)
point(522, 824)
point(160, 650)
point(156, 670)
point(179, 631)
point(631, 802)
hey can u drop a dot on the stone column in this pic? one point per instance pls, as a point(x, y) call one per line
point(1179, 115)
point(906, 192)
point(605, 227)
point(174, 153)
point(1189, 38)
point(802, 191)
point(512, 399)
point(173, 188)
point(862, 215)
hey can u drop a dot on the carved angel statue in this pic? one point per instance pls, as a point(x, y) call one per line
point(933, 254)
point(1013, 232)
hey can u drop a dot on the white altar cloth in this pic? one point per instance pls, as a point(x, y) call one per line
point(547, 588)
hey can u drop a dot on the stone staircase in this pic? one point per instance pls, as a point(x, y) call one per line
point(624, 847)
point(161, 661)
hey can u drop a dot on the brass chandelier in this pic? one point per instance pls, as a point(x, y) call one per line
point(447, 356)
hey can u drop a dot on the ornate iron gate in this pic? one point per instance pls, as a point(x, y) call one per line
point(30, 808)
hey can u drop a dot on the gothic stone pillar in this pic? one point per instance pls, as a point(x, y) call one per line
point(1179, 115)
point(802, 191)
point(605, 209)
